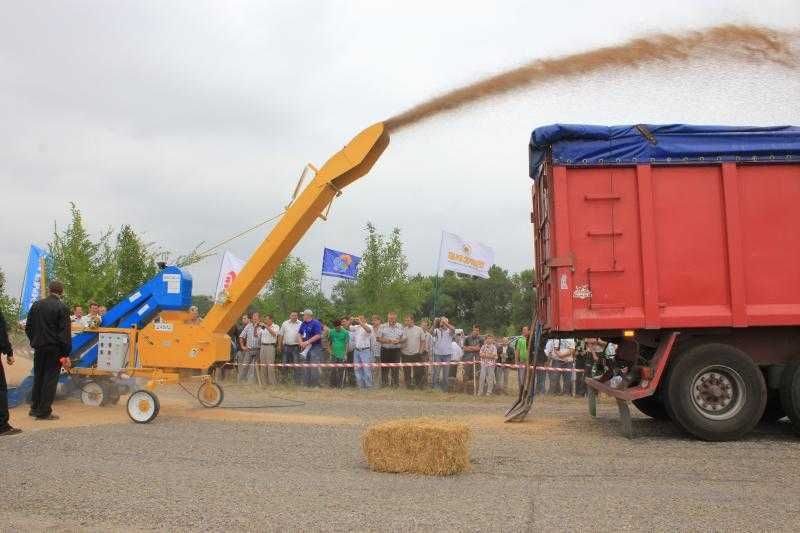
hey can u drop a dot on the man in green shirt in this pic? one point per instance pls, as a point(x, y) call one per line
point(338, 337)
point(521, 353)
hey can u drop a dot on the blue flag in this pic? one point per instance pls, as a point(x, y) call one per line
point(339, 264)
point(35, 274)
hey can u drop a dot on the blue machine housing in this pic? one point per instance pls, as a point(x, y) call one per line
point(169, 290)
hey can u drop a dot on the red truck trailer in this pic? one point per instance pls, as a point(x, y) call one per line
point(682, 245)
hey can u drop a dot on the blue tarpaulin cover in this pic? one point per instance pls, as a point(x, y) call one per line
point(581, 144)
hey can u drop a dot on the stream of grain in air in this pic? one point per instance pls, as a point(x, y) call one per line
point(744, 43)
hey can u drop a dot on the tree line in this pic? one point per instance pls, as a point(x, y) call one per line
point(107, 268)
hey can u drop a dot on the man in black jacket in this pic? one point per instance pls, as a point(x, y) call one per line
point(5, 348)
point(49, 331)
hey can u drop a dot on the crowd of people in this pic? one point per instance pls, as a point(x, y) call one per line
point(472, 363)
point(475, 363)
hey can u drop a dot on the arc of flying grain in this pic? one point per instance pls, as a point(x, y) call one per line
point(747, 43)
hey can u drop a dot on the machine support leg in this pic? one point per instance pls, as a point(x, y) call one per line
point(625, 418)
point(591, 398)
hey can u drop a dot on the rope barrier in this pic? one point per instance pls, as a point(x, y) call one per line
point(399, 365)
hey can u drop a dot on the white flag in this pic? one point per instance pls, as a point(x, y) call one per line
point(467, 257)
point(231, 266)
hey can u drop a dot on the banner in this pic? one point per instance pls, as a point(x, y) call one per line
point(34, 286)
point(231, 266)
point(465, 257)
point(339, 264)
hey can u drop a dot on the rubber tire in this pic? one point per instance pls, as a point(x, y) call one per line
point(157, 408)
point(790, 394)
point(652, 406)
point(681, 406)
point(774, 410)
point(89, 383)
point(210, 404)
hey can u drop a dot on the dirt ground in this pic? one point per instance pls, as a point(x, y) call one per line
point(263, 461)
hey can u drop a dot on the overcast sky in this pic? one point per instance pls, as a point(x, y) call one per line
point(191, 120)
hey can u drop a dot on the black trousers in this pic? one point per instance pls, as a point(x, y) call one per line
point(3, 399)
point(420, 373)
point(46, 368)
point(390, 355)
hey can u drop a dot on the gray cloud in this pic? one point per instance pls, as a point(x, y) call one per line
point(191, 120)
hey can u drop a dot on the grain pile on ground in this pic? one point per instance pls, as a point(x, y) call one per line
point(418, 446)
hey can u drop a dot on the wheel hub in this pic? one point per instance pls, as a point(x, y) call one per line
point(718, 392)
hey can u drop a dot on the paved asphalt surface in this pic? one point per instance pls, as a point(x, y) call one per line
point(300, 468)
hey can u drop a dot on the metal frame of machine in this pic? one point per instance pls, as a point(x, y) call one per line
point(164, 345)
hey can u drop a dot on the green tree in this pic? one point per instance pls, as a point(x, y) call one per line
point(8, 305)
point(292, 289)
point(75, 260)
point(523, 301)
point(104, 270)
point(133, 262)
point(383, 284)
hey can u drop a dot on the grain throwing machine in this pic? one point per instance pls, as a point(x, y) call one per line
point(150, 335)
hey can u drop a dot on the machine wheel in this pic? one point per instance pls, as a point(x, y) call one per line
point(790, 393)
point(652, 406)
point(143, 406)
point(92, 394)
point(210, 394)
point(716, 392)
point(773, 410)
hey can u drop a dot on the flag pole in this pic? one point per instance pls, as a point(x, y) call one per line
point(436, 280)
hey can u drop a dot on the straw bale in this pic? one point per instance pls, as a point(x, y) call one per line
point(417, 445)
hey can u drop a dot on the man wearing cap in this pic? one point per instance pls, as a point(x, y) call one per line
point(49, 331)
point(311, 345)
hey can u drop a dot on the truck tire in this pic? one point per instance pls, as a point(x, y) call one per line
point(716, 392)
point(790, 393)
point(652, 406)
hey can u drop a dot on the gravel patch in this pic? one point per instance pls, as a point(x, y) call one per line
point(250, 469)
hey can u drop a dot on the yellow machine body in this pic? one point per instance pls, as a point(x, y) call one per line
point(174, 341)
point(173, 346)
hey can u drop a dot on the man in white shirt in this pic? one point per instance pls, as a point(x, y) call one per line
point(561, 354)
point(92, 320)
point(411, 352)
point(442, 350)
point(289, 346)
point(269, 340)
point(250, 344)
point(361, 337)
point(377, 376)
point(390, 335)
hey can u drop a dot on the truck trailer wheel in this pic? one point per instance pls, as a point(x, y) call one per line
point(790, 393)
point(716, 392)
point(652, 406)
